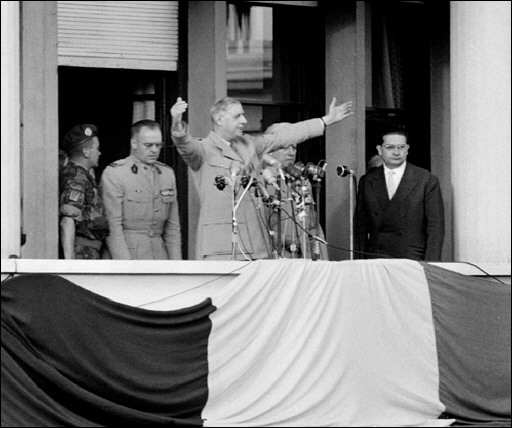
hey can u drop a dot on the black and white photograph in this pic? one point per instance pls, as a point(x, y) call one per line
point(256, 213)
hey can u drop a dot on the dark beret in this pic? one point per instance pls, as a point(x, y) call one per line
point(78, 135)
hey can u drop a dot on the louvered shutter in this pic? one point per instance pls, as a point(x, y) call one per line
point(118, 34)
point(287, 3)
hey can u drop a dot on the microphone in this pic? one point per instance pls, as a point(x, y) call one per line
point(244, 181)
point(268, 200)
point(271, 161)
point(262, 190)
point(269, 178)
point(295, 171)
point(311, 170)
point(220, 182)
point(343, 171)
point(316, 171)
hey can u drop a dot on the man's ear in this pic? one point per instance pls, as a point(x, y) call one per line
point(218, 118)
point(379, 149)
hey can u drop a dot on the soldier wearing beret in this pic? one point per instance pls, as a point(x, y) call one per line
point(140, 198)
point(83, 224)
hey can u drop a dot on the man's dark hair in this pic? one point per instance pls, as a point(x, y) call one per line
point(145, 123)
point(397, 131)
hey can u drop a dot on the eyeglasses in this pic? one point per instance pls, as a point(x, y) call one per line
point(390, 147)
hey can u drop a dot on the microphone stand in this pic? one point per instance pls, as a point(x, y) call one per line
point(343, 171)
point(315, 254)
point(279, 225)
point(295, 230)
point(351, 213)
point(234, 226)
point(234, 222)
point(304, 219)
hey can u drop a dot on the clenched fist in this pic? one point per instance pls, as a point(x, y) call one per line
point(178, 109)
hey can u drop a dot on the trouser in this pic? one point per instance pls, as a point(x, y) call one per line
point(86, 248)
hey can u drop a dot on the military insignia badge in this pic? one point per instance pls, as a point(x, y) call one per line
point(75, 196)
point(167, 192)
point(88, 131)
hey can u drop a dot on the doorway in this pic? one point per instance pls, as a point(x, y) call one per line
point(400, 76)
point(113, 99)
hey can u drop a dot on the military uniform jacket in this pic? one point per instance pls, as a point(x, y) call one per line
point(211, 157)
point(410, 225)
point(142, 210)
point(80, 200)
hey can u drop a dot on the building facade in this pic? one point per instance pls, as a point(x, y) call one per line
point(442, 69)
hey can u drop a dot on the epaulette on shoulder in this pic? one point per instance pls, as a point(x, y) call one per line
point(163, 165)
point(119, 162)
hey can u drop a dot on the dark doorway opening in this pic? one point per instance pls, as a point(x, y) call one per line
point(112, 99)
point(400, 76)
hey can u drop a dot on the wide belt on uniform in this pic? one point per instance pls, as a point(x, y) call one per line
point(146, 232)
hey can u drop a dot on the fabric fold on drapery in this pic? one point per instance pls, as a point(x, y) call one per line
point(286, 343)
point(472, 319)
point(335, 344)
point(72, 357)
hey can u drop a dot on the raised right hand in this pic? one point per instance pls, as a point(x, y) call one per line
point(178, 109)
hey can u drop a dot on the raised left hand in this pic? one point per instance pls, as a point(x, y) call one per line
point(338, 113)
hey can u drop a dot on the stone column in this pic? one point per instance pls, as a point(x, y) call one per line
point(40, 130)
point(11, 179)
point(206, 82)
point(480, 130)
point(345, 141)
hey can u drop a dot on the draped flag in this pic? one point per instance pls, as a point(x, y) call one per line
point(286, 343)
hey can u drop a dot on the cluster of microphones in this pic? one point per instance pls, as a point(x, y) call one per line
point(291, 173)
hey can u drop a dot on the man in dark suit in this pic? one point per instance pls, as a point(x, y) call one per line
point(399, 211)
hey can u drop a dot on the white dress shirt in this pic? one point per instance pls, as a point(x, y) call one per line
point(393, 178)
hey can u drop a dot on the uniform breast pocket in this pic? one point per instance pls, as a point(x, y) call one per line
point(137, 205)
point(167, 195)
point(166, 198)
point(222, 166)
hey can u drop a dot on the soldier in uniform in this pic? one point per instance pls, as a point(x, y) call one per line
point(140, 200)
point(83, 224)
point(227, 149)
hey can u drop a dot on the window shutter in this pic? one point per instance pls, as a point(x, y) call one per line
point(118, 34)
point(287, 3)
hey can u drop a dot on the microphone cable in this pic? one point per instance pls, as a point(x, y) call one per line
point(366, 253)
point(216, 278)
point(483, 271)
point(382, 255)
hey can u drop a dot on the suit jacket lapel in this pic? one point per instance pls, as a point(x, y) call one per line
point(378, 183)
point(407, 183)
